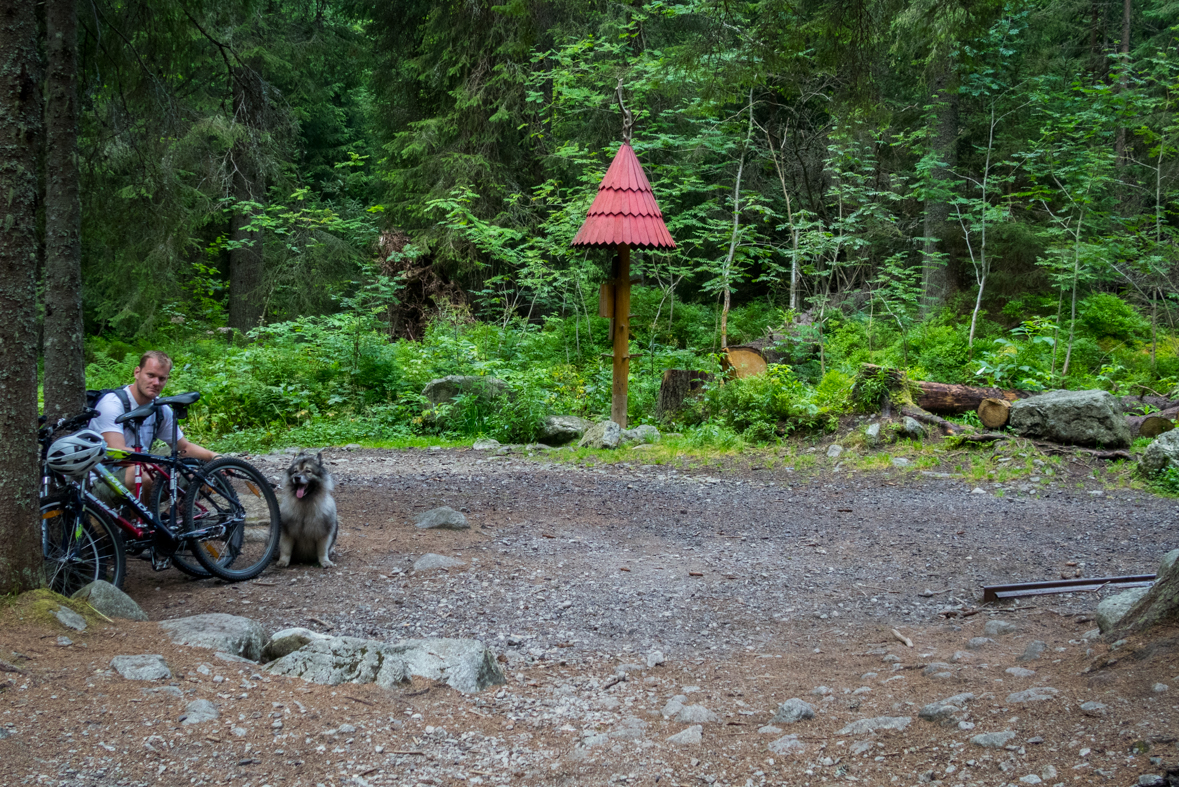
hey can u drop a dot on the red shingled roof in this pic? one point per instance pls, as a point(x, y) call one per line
point(625, 211)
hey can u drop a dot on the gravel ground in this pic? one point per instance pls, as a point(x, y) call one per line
point(753, 585)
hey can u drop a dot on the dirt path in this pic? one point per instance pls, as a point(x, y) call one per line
point(755, 585)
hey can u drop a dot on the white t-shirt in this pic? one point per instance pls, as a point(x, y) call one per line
point(110, 407)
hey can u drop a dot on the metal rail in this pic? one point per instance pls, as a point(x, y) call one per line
point(997, 592)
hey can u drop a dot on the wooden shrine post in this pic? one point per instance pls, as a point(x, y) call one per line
point(620, 326)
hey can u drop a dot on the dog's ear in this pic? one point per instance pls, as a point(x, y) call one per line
point(319, 457)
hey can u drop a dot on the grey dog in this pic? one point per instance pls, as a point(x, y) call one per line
point(308, 512)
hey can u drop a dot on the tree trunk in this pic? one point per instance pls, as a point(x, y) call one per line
point(21, 566)
point(65, 373)
point(678, 385)
point(1123, 84)
point(246, 273)
point(935, 279)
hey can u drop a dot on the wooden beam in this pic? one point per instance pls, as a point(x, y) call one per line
point(621, 327)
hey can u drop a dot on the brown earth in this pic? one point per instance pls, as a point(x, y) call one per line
point(757, 581)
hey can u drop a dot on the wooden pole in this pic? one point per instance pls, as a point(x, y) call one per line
point(621, 337)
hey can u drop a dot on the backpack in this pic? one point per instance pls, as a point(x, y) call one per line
point(93, 396)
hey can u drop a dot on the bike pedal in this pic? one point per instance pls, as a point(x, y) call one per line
point(161, 563)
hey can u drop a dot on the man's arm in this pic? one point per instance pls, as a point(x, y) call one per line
point(188, 448)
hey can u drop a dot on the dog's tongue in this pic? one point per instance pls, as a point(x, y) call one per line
point(300, 491)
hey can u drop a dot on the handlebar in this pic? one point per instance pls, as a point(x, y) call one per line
point(65, 422)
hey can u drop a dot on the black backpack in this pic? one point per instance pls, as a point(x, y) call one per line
point(93, 395)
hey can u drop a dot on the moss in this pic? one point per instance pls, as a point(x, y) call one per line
point(37, 607)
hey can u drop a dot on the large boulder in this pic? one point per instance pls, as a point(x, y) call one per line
point(641, 434)
point(1090, 418)
point(463, 664)
point(605, 434)
point(562, 429)
point(110, 601)
point(231, 634)
point(1161, 454)
point(288, 641)
point(1114, 608)
point(445, 389)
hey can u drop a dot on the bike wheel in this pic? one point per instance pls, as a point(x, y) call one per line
point(161, 504)
point(234, 495)
point(81, 545)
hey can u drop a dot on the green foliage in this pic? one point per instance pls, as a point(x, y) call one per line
point(1104, 315)
point(1167, 481)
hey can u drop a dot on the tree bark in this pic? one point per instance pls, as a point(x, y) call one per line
point(1123, 84)
point(957, 399)
point(65, 373)
point(678, 385)
point(246, 272)
point(21, 565)
point(935, 278)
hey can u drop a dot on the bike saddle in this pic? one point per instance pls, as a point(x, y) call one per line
point(139, 413)
point(182, 399)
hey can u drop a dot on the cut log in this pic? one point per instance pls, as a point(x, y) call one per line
point(1136, 422)
point(1155, 425)
point(678, 385)
point(994, 413)
point(744, 361)
point(946, 399)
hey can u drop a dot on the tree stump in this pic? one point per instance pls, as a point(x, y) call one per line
point(678, 385)
point(994, 413)
point(744, 361)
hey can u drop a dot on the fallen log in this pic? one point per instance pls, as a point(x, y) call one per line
point(1137, 422)
point(946, 427)
point(946, 399)
point(994, 413)
point(1154, 425)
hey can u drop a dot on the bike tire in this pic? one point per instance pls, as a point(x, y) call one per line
point(80, 545)
point(235, 494)
point(184, 559)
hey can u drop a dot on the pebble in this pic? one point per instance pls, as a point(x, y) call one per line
point(146, 667)
point(993, 740)
point(1093, 708)
point(64, 642)
point(1020, 672)
point(1159, 688)
point(793, 710)
point(978, 490)
point(431, 561)
point(877, 723)
point(1038, 694)
point(1034, 650)
point(834, 450)
point(769, 729)
point(787, 744)
point(979, 642)
point(695, 714)
point(654, 658)
point(70, 619)
point(199, 711)
point(998, 628)
point(693, 734)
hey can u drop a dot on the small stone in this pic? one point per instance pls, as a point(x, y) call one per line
point(674, 705)
point(239, 732)
point(64, 642)
point(934, 668)
point(146, 667)
point(695, 714)
point(834, 450)
point(1152, 780)
point(1034, 650)
point(199, 711)
point(70, 619)
point(820, 691)
point(431, 561)
point(878, 723)
point(998, 628)
point(1159, 688)
point(993, 740)
point(654, 658)
point(979, 642)
point(1020, 672)
point(787, 744)
point(978, 490)
point(793, 710)
point(900, 461)
point(1048, 772)
point(1031, 778)
point(769, 729)
point(442, 518)
point(1093, 708)
point(873, 431)
point(692, 735)
point(1038, 694)
point(485, 444)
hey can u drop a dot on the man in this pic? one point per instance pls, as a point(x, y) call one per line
point(151, 375)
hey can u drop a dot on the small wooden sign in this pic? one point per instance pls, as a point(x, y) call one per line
point(606, 300)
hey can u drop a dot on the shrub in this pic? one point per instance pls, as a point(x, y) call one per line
point(1104, 315)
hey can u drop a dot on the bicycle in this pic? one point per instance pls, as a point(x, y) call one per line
point(223, 513)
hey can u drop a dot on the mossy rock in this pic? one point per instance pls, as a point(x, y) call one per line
point(37, 608)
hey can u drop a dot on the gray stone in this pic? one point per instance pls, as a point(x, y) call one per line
point(935, 668)
point(1152, 780)
point(993, 740)
point(146, 667)
point(862, 747)
point(1093, 708)
point(947, 712)
point(217, 631)
point(976, 643)
point(70, 619)
point(998, 628)
point(1038, 694)
point(1020, 672)
point(692, 735)
point(1089, 418)
point(604, 434)
point(1031, 778)
point(654, 659)
point(793, 710)
point(820, 691)
point(1162, 453)
point(442, 518)
point(1160, 688)
point(445, 389)
point(641, 434)
point(900, 461)
point(110, 601)
point(1033, 651)
point(873, 432)
point(878, 723)
point(695, 714)
point(431, 561)
point(464, 664)
point(1167, 561)
point(288, 641)
point(674, 705)
point(912, 429)
point(834, 450)
point(198, 711)
point(769, 729)
point(1114, 608)
point(64, 642)
point(485, 444)
point(787, 744)
point(562, 429)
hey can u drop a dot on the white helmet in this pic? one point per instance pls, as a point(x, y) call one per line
point(77, 454)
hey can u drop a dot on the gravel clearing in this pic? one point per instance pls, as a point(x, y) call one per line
point(614, 594)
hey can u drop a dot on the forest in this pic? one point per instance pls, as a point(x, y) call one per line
point(317, 206)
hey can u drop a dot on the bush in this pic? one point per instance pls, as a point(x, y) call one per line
point(1103, 315)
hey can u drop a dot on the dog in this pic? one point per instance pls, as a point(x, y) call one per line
point(308, 512)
